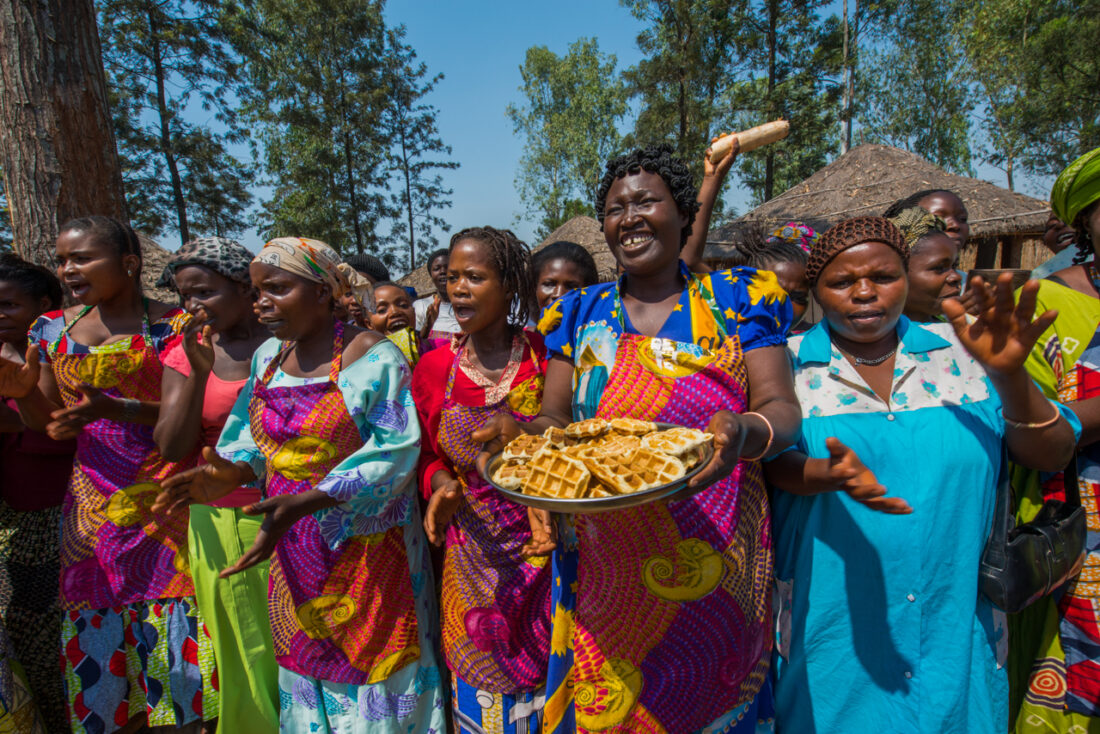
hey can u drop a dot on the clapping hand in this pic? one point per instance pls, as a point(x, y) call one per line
point(69, 422)
point(850, 475)
point(198, 346)
point(1003, 334)
point(202, 485)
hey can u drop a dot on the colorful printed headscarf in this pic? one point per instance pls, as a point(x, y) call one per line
point(1076, 187)
point(795, 233)
point(309, 259)
point(225, 257)
point(916, 223)
point(362, 290)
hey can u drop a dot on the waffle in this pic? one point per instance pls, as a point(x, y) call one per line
point(692, 457)
point(676, 441)
point(632, 427)
point(511, 474)
point(556, 437)
point(618, 444)
point(523, 447)
point(642, 469)
point(553, 474)
point(586, 430)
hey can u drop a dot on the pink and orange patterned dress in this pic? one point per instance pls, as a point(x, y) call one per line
point(496, 604)
point(133, 640)
point(350, 591)
point(662, 613)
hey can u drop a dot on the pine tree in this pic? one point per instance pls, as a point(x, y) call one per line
point(417, 154)
point(791, 58)
point(165, 59)
point(319, 86)
point(690, 49)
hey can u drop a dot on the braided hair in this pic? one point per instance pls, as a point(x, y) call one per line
point(914, 200)
point(512, 259)
point(34, 280)
point(1084, 240)
point(757, 250)
point(656, 159)
point(569, 251)
point(107, 230)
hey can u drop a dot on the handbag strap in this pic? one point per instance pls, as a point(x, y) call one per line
point(1069, 482)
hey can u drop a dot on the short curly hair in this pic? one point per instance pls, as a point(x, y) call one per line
point(656, 159)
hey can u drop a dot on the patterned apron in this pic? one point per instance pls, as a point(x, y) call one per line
point(662, 612)
point(345, 615)
point(114, 551)
point(496, 633)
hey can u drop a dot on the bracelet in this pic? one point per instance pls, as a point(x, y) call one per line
point(1049, 422)
point(130, 410)
point(771, 438)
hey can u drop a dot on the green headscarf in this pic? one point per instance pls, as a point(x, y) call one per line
point(1076, 187)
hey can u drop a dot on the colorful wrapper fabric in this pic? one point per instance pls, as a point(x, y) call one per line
point(18, 712)
point(225, 257)
point(154, 658)
point(796, 233)
point(309, 259)
point(1076, 187)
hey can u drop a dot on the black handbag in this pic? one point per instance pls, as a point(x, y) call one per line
point(1023, 563)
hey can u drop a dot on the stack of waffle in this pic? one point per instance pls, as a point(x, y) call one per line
point(598, 458)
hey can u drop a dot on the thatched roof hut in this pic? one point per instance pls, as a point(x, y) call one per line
point(1005, 226)
point(585, 231)
point(153, 259)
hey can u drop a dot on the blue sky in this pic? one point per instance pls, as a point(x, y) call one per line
point(479, 46)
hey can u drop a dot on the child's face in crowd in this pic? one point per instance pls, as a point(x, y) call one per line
point(556, 278)
point(393, 309)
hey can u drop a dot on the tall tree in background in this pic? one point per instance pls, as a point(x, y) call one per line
point(159, 55)
point(1036, 63)
point(919, 96)
point(689, 50)
point(789, 56)
point(57, 149)
point(417, 153)
point(318, 89)
point(573, 104)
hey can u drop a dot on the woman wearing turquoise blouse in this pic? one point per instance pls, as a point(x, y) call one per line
point(880, 622)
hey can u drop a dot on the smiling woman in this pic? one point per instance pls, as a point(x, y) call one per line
point(703, 351)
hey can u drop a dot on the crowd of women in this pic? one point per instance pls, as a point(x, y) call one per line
point(261, 508)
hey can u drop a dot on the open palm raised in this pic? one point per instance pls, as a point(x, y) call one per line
point(19, 380)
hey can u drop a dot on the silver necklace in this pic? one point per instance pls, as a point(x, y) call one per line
point(869, 362)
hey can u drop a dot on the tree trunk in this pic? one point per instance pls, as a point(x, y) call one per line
point(405, 169)
point(57, 146)
point(166, 135)
point(773, 40)
point(349, 171)
point(846, 102)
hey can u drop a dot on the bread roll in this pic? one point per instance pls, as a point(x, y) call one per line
point(751, 139)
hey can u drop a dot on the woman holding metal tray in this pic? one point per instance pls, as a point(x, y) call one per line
point(661, 612)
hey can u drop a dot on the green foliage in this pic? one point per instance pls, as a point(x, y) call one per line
point(317, 90)
point(690, 47)
point(790, 57)
point(573, 104)
point(917, 91)
point(416, 155)
point(1038, 73)
point(161, 58)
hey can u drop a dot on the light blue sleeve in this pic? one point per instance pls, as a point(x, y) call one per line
point(376, 484)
